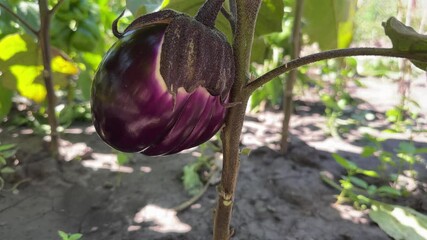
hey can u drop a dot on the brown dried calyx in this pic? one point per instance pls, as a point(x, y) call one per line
point(193, 53)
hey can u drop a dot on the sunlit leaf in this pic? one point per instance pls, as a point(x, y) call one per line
point(26, 85)
point(61, 65)
point(21, 67)
point(399, 222)
point(63, 235)
point(10, 45)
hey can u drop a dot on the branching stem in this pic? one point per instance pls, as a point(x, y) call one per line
point(337, 53)
point(247, 11)
point(230, 19)
point(53, 10)
point(44, 41)
point(19, 19)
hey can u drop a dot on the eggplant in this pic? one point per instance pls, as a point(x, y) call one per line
point(163, 86)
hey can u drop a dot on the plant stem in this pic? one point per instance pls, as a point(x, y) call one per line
point(247, 11)
point(44, 42)
point(19, 19)
point(55, 7)
point(347, 52)
point(292, 77)
point(230, 19)
point(208, 12)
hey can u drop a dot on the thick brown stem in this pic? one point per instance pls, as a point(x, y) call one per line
point(247, 11)
point(47, 75)
point(292, 77)
point(230, 137)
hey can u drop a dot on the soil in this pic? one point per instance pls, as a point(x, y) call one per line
point(278, 196)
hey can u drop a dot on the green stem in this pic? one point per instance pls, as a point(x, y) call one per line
point(347, 52)
point(247, 11)
point(44, 42)
point(289, 87)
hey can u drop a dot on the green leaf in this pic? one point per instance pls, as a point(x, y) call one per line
point(7, 170)
point(191, 180)
point(2, 161)
point(259, 49)
point(75, 236)
point(269, 17)
point(389, 191)
point(369, 173)
point(359, 182)
point(406, 39)
point(6, 147)
point(349, 165)
point(21, 66)
point(368, 151)
point(5, 101)
point(63, 235)
point(329, 22)
point(421, 150)
point(399, 222)
point(407, 147)
point(122, 158)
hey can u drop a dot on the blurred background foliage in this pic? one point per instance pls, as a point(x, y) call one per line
point(81, 33)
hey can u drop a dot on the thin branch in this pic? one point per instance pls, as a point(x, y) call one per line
point(337, 53)
point(55, 8)
point(19, 19)
point(230, 19)
point(208, 12)
point(292, 77)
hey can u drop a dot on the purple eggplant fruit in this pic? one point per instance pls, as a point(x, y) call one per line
point(163, 86)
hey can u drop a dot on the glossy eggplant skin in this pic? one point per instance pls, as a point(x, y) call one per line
point(133, 111)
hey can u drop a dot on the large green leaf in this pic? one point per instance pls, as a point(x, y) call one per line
point(406, 39)
point(270, 17)
point(399, 222)
point(329, 22)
